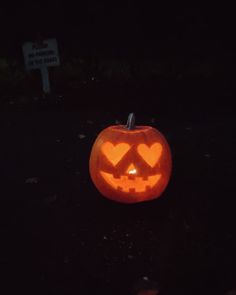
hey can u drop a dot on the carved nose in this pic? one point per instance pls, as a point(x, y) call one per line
point(131, 169)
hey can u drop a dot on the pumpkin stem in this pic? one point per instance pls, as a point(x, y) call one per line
point(131, 122)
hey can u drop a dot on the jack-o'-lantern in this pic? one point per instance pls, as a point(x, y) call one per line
point(129, 163)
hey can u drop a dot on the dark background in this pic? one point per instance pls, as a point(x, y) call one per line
point(171, 65)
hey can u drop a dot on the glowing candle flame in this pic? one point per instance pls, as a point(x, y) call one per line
point(133, 171)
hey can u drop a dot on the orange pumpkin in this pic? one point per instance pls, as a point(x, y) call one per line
point(130, 164)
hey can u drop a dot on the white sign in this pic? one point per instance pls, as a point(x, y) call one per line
point(38, 54)
point(41, 55)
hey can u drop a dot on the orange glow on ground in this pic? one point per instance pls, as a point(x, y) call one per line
point(148, 292)
point(136, 184)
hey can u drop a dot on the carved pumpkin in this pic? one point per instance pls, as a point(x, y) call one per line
point(130, 164)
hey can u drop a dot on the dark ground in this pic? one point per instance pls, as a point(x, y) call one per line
point(60, 236)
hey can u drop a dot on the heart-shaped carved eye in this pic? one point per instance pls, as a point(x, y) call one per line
point(151, 155)
point(115, 153)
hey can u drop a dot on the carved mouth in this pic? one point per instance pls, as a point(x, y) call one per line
point(127, 184)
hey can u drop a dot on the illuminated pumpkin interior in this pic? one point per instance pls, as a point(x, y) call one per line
point(125, 184)
point(131, 182)
point(151, 155)
point(115, 153)
point(131, 170)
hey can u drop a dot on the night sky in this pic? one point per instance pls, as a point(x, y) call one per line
point(178, 37)
point(112, 28)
